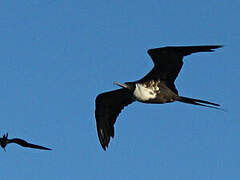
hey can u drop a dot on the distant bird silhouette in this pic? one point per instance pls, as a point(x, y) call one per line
point(156, 87)
point(4, 141)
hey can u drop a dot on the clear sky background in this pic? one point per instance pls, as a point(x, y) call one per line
point(57, 56)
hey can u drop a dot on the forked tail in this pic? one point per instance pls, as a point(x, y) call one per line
point(198, 102)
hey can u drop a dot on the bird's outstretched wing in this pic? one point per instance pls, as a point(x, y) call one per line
point(26, 144)
point(168, 62)
point(108, 107)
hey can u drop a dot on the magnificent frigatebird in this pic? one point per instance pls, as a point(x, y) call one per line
point(156, 87)
point(4, 141)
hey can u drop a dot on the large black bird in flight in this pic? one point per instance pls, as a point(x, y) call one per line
point(4, 141)
point(156, 87)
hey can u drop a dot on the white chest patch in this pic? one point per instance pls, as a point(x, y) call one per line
point(142, 93)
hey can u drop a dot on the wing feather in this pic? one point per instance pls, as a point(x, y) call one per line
point(108, 107)
point(168, 62)
point(23, 143)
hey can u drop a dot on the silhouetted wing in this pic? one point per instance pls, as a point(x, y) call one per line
point(26, 144)
point(168, 62)
point(108, 107)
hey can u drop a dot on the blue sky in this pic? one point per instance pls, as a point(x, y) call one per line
point(56, 56)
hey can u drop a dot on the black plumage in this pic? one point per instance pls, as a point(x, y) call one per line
point(4, 141)
point(156, 87)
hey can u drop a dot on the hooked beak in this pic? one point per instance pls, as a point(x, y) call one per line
point(121, 85)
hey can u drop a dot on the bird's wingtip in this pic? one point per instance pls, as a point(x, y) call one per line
point(104, 147)
point(217, 46)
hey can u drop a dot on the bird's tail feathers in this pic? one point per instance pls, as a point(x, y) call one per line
point(198, 102)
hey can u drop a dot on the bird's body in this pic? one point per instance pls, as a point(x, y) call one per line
point(146, 92)
point(156, 87)
point(4, 141)
point(153, 92)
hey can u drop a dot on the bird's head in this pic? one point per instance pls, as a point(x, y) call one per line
point(3, 141)
point(128, 85)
